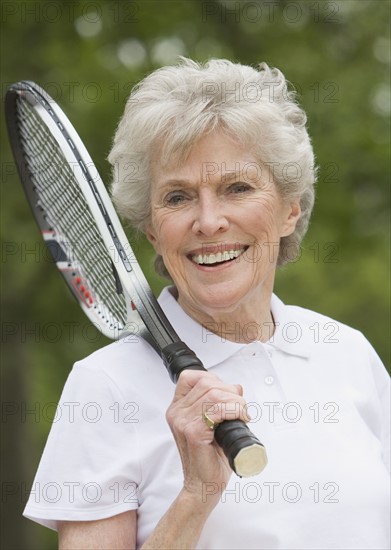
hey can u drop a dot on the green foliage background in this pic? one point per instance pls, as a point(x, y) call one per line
point(88, 55)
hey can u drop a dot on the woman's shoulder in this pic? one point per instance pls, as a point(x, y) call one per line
point(129, 350)
point(128, 365)
point(313, 321)
point(319, 334)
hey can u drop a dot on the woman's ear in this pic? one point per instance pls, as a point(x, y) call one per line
point(291, 215)
point(151, 235)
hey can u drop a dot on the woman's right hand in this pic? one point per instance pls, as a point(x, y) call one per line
point(205, 467)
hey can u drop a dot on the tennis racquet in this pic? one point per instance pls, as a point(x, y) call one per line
point(87, 242)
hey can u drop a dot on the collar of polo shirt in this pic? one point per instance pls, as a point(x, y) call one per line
point(291, 336)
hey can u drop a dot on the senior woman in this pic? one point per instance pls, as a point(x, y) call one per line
point(214, 164)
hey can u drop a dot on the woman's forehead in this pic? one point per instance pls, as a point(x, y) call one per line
point(213, 156)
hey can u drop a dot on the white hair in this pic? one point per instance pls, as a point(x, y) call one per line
point(177, 105)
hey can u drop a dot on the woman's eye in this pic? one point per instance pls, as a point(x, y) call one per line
point(239, 188)
point(173, 199)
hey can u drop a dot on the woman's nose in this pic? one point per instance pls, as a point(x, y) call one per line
point(210, 217)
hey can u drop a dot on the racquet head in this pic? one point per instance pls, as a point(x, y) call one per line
point(77, 220)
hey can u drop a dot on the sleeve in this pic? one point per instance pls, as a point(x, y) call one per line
point(383, 388)
point(90, 468)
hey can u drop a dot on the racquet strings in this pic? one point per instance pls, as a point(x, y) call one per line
point(68, 215)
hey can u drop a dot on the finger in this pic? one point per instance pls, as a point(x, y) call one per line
point(193, 386)
point(220, 405)
point(188, 379)
point(231, 410)
point(240, 389)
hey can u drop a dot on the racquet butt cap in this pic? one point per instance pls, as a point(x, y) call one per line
point(250, 461)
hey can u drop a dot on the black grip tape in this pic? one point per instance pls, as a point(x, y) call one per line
point(178, 357)
point(234, 436)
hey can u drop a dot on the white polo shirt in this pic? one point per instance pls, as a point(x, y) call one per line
point(318, 396)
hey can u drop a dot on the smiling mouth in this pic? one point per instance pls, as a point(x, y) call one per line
point(218, 258)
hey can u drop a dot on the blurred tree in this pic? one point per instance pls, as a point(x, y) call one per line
point(88, 55)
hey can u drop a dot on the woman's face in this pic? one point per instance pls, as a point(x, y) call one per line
point(217, 221)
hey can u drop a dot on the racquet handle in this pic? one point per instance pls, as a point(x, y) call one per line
point(246, 454)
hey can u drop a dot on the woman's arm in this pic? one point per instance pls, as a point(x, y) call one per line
point(204, 465)
point(115, 533)
point(181, 526)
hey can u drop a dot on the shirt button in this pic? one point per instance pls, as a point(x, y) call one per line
point(269, 380)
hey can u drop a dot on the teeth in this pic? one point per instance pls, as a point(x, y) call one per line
point(217, 258)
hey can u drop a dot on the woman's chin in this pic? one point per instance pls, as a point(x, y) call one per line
point(217, 302)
